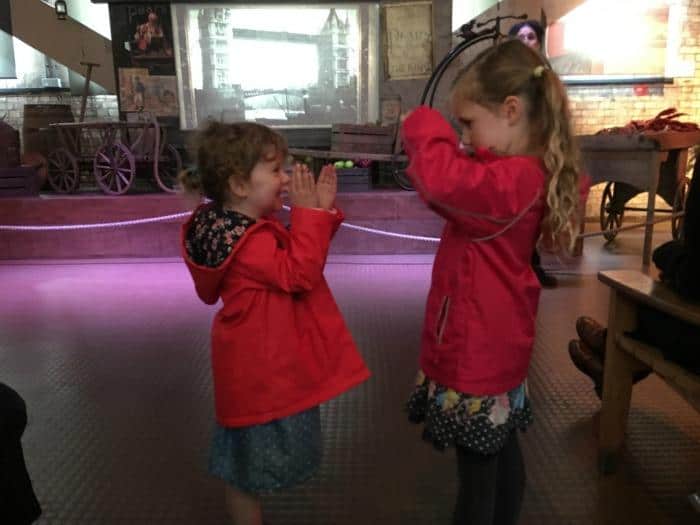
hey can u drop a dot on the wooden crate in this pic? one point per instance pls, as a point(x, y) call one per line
point(354, 179)
point(362, 138)
point(19, 181)
point(384, 177)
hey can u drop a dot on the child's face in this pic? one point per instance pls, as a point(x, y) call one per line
point(263, 192)
point(485, 128)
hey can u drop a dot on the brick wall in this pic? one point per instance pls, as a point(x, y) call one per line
point(600, 107)
point(99, 107)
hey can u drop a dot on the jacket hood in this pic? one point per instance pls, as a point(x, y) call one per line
point(205, 229)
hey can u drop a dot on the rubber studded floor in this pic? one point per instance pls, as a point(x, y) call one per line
point(112, 359)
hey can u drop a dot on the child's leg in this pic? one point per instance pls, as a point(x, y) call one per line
point(490, 487)
point(476, 497)
point(511, 482)
point(244, 508)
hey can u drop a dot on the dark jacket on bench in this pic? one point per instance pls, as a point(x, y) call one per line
point(679, 263)
point(679, 260)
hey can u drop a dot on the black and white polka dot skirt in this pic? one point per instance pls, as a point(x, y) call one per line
point(480, 423)
point(263, 458)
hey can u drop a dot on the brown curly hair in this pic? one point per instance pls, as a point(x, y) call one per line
point(229, 150)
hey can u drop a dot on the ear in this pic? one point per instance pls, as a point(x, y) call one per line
point(238, 188)
point(513, 109)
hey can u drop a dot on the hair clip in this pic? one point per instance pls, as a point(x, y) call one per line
point(538, 71)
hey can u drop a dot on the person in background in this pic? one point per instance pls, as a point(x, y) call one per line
point(531, 34)
point(679, 264)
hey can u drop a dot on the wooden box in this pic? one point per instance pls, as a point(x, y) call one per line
point(363, 138)
point(354, 179)
point(19, 181)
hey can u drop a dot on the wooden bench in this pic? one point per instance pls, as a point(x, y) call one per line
point(625, 356)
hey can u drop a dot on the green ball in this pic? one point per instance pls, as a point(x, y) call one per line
point(349, 164)
point(339, 164)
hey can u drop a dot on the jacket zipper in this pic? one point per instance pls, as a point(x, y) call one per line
point(442, 319)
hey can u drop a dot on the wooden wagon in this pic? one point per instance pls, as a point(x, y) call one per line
point(631, 164)
point(113, 151)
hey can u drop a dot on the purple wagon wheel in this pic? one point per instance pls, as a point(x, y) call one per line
point(114, 168)
point(166, 169)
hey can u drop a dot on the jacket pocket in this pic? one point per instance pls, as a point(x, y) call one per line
point(442, 319)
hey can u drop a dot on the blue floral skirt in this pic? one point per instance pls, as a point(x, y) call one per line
point(479, 423)
point(275, 455)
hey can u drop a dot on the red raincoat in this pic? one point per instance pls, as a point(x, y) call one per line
point(479, 326)
point(279, 343)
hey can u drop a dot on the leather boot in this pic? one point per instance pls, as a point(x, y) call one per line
point(593, 334)
point(587, 362)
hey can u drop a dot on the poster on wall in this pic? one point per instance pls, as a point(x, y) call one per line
point(408, 40)
point(139, 91)
point(160, 96)
point(131, 88)
point(142, 39)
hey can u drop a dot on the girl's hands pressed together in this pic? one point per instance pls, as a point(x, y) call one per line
point(302, 188)
point(327, 187)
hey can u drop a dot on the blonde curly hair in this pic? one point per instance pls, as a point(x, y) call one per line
point(512, 68)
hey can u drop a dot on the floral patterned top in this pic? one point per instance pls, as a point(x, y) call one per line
point(479, 423)
point(213, 234)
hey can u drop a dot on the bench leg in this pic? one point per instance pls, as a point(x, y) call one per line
point(617, 393)
point(617, 384)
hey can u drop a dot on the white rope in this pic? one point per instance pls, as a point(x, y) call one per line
point(390, 234)
point(631, 227)
point(19, 227)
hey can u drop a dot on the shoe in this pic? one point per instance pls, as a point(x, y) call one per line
point(593, 334)
point(546, 280)
point(585, 359)
point(587, 362)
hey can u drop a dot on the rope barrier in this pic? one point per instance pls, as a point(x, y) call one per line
point(19, 227)
point(631, 227)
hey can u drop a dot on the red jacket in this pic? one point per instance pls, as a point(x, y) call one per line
point(480, 315)
point(279, 344)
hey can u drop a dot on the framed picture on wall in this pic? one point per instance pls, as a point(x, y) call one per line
point(132, 89)
point(408, 40)
point(142, 42)
point(142, 37)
